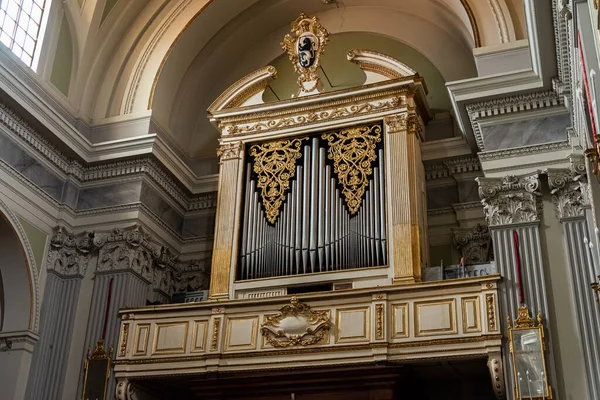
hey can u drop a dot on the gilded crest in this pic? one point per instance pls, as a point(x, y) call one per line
point(296, 325)
point(304, 45)
point(275, 165)
point(352, 151)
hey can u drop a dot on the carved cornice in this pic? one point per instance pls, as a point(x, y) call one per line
point(511, 200)
point(569, 193)
point(69, 254)
point(36, 143)
point(128, 249)
point(452, 167)
point(508, 105)
point(523, 151)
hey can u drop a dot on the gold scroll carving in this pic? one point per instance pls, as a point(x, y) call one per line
point(275, 165)
point(352, 151)
point(296, 325)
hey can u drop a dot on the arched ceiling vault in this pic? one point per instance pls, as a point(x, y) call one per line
point(183, 54)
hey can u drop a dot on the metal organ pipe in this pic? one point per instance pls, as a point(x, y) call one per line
point(314, 231)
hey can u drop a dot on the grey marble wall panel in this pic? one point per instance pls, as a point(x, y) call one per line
point(468, 190)
point(199, 226)
point(70, 194)
point(588, 318)
point(109, 195)
point(51, 354)
point(525, 133)
point(159, 206)
point(30, 168)
point(533, 282)
point(441, 196)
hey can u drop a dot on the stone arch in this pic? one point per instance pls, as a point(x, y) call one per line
point(21, 308)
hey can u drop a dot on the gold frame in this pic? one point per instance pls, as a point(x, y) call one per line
point(99, 353)
point(524, 322)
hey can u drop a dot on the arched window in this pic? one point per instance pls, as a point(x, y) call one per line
point(22, 28)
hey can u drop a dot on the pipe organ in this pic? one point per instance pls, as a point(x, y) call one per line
point(314, 204)
point(322, 188)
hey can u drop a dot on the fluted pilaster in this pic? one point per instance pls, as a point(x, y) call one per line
point(68, 260)
point(129, 259)
point(570, 196)
point(226, 228)
point(513, 204)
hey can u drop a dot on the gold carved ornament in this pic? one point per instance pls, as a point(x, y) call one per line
point(296, 325)
point(352, 151)
point(275, 165)
point(304, 45)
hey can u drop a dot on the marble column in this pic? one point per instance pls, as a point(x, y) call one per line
point(67, 262)
point(405, 196)
point(570, 196)
point(127, 257)
point(228, 202)
point(513, 204)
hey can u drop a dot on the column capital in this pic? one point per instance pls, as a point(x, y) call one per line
point(407, 122)
point(569, 193)
point(128, 249)
point(473, 243)
point(230, 151)
point(511, 199)
point(69, 254)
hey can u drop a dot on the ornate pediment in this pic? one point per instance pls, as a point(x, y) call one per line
point(296, 325)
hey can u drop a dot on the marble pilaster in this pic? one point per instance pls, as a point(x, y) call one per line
point(67, 262)
point(513, 204)
point(570, 196)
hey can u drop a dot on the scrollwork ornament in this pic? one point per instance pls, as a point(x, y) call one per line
point(275, 165)
point(69, 254)
point(352, 151)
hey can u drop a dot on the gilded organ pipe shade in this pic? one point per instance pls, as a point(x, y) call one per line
point(325, 214)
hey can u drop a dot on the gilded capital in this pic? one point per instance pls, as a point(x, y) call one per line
point(511, 200)
point(569, 193)
point(230, 151)
point(405, 122)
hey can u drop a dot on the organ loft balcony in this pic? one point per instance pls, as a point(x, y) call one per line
point(320, 240)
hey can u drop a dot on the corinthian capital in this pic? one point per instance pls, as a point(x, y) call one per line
point(69, 254)
point(569, 193)
point(229, 151)
point(511, 200)
point(128, 249)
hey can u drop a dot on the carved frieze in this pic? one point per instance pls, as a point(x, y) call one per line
point(296, 325)
point(511, 200)
point(569, 193)
point(69, 254)
point(473, 244)
point(127, 249)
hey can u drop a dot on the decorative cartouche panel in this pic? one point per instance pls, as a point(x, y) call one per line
point(315, 203)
